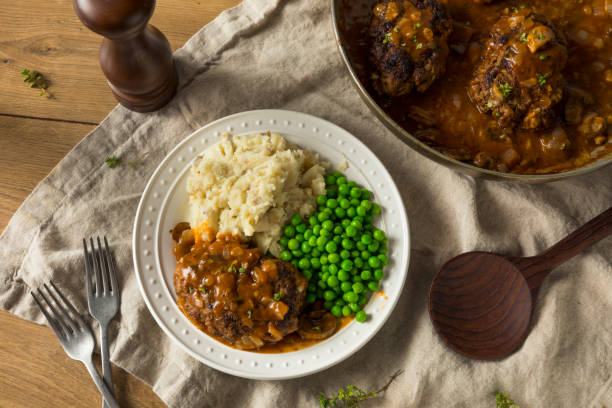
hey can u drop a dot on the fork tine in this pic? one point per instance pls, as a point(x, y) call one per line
point(111, 268)
point(96, 267)
point(54, 325)
point(63, 311)
point(88, 268)
point(103, 268)
point(76, 314)
point(56, 317)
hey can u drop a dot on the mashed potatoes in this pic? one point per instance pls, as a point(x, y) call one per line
point(251, 185)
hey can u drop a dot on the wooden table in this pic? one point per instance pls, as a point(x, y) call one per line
point(35, 133)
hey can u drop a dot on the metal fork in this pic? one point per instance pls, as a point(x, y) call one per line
point(74, 335)
point(102, 297)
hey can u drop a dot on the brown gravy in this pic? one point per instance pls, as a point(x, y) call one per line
point(461, 128)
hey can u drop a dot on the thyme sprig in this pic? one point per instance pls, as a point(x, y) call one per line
point(36, 80)
point(114, 161)
point(351, 395)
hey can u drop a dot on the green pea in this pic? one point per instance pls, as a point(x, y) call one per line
point(321, 241)
point(351, 212)
point(311, 298)
point(352, 184)
point(333, 258)
point(316, 230)
point(355, 254)
point(373, 286)
point(285, 255)
point(305, 247)
point(344, 203)
point(355, 202)
point(315, 253)
point(328, 304)
point(330, 179)
point(355, 192)
point(358, 288)
point(350, 297)
point(297, 254)
point(356, 278)
point(329, 295)
point(368, 218)
point(331, 247)
point(378, 235)
point(366, 239)
point(341, 180)
point(294, 263)
point(337, 240)
point(290, 231)
point(337, 174)
point(360, 316)
point(344, 190)
point(358, 262)
point(322, 216)
point(382, 249)
point(299, 238)
point(325, 232)
point(324, 276)
point(307, 274)
point(321, 199)
point(362, 299)
point(323, 259)
point(373, 246)
point(346, 311)
point(351, 231)
point(365, 194)
point(324, 268)
point(375, 208)
point(333, 268)
point(347, 244)
point(355, 307)
point(378, 274)
point(293, 244)
point(304, 263)
point(331, 203)
point(345, 223)
point(366, 275)
point(360, 245)
point(338, 230)
point(308, 234)
point(336, 310)
point(315, 263)
point(340, 302)
point(357, 224)
point(346, 286)
point(332, 281)
point(374, 262)
point(365, 255)
point(361, 211)
point(344, 254)
point(366, 204)
point(312, 220)
point(383, 259)
point(340, 213)
point(328, 225)
point(321, 285)
point(312, 241)
point(343, 275)
point(331, 192)
point(347, 265)
point(283, 242)
point(296, 220)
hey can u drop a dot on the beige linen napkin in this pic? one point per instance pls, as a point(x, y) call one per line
point(282, 54)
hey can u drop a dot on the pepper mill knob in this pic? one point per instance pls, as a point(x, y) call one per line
point(135, 57)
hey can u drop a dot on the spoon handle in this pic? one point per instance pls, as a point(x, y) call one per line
point(536, 268)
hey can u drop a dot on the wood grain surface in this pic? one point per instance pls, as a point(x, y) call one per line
point(35, 133)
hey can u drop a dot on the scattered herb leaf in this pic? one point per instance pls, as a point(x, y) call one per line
point(542, 78)
point(387, 38)
point(419, 46)
point(241, 270)
point(414, 38)
point(114, 161)
point(204, 289)
point(37, 80)
point(350, 396)
point(543, 57)
point(403, 44)
point(279, 295)
point(523, 38)
point(190, 290)
point(249, 313)
point(505, 88)
point(417, 25)
point(489, 104)
point(502, 401)
point(395, 29)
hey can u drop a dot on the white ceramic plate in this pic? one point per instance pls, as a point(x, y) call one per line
point(164, 204)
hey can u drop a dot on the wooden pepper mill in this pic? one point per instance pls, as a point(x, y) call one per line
point(135, 57)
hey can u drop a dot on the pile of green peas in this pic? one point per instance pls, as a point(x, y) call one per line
point(338, 249)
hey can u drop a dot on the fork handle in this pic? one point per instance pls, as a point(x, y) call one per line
point(99, 381)
point(106, 368)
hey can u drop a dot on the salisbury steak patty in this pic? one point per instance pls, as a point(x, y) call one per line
point(519, 80)
point(228, 290)
point(408, 45)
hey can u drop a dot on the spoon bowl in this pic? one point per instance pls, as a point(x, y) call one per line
point(481, 303)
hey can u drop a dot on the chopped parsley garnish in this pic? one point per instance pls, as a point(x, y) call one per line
point(387, 38)
point(489, 104)
point(514, 10)
point(542, 78)
point(395, 29)
point(112, 161)
point(241, 270)
point(541, 37)
point(403, 44)
point(231, 269)
point(502, 401)
point(419, 46)
point(317, 328)
point(505, 88)
point(414, 38)
point(523, 37)
point(190, 290)
point(204, 289)
point(543, 57)
point(279, 295)
point(417, 25)
point(249, 313)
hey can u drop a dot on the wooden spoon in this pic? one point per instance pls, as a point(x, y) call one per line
point(481, 303)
